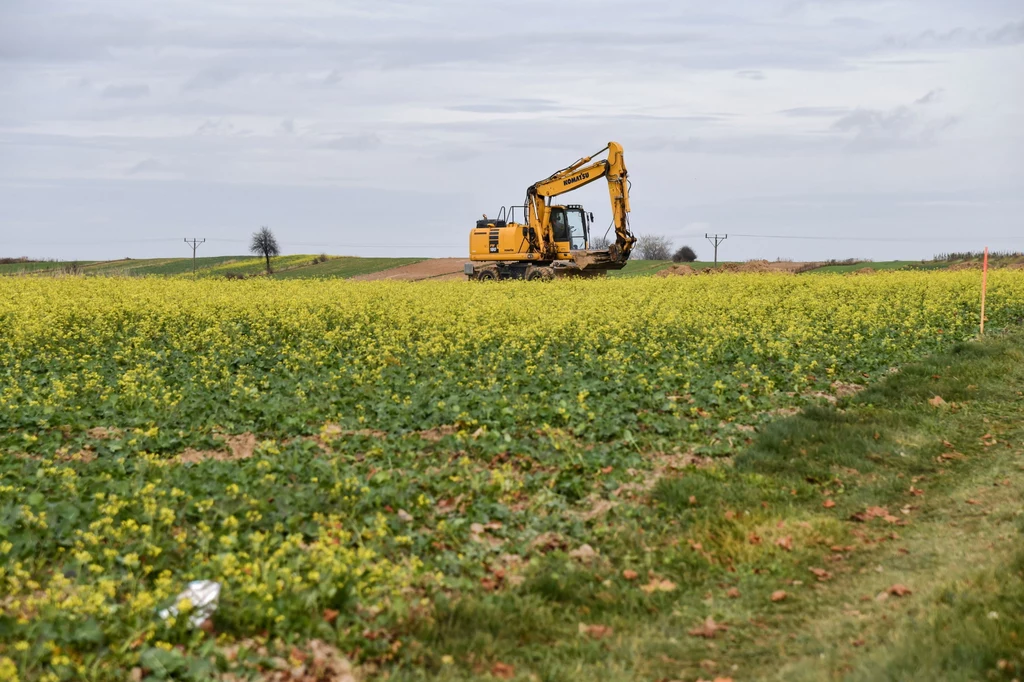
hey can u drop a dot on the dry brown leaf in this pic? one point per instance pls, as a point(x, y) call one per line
point(947, 456)
point(585, 554)
point(733, 593)
point(503, 671)
point(630, 574)
point(102, 432)
point(937, 401)
point(899, 590)
point(548, 541)
point(657, 585)
point(779, 595)
point(821, 574)
point(708, 629)
point(828, 504)
point(600, 508)
point(973, 502)
point(596, 631)
point(785, 543)
point(330, 615)
point(404, 516)
point(478, 533)
point(871, 513)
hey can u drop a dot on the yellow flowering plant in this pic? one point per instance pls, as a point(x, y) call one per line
point(340, 456)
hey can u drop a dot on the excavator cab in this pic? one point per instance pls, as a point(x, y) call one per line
point(570, 228)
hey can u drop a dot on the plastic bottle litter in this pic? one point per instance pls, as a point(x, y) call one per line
point(203, 594)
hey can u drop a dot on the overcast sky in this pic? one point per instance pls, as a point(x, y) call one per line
point(385, 127)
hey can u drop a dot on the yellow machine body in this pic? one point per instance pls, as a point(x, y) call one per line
point(554, 239)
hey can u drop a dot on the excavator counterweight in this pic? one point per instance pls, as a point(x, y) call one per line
point(553, 240)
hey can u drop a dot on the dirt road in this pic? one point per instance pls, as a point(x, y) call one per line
point(434, 269)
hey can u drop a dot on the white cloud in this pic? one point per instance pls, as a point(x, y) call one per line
point(128, 91)
point(716, 107)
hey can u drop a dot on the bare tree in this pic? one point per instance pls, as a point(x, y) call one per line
point(600, 242)
point(684, 255)
point(264, 244)
point(653, 247)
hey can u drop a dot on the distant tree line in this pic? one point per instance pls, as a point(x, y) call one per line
point(656, 247)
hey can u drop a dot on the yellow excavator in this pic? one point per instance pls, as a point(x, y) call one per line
point(553, 240)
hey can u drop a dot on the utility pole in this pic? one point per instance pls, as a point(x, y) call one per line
point(716, 240)
point(195, 245)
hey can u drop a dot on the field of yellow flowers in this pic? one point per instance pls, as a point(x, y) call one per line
point(354, 462)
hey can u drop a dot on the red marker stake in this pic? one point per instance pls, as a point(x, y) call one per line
point(984, 285)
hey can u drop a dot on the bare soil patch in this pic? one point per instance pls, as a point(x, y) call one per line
point(239, 446)
point(791, 267)
point(434, 269)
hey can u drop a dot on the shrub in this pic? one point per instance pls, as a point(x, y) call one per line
point(684, 255)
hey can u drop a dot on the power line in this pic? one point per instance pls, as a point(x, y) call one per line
point(912, 240)
point(109, 241)
point(435, 245)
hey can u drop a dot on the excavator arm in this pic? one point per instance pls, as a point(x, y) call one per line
point(579, 174)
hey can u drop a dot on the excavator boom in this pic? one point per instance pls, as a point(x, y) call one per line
point(579, 175)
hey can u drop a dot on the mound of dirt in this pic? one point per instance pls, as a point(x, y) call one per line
point(965, 266)
point(755, 266)
point(724, 267)
point(677, 271)
point(862, 271)
point(1015, 266)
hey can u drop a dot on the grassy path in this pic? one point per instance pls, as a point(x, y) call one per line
point(800, 589)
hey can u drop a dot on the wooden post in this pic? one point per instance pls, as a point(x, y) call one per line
point(984, 286)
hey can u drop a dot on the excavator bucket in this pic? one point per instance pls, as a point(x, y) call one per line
point(597, 259)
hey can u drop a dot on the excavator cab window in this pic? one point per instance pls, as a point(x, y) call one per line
point(559, 228)
point(577, 229)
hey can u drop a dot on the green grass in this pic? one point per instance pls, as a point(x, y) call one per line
point(883, 265)
point(960, 559)
point(138, 267)
point(35, 267)
point(285, 267)
point(345, 267)
point(256, 266)
point(645, 268)
point(179, 266)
